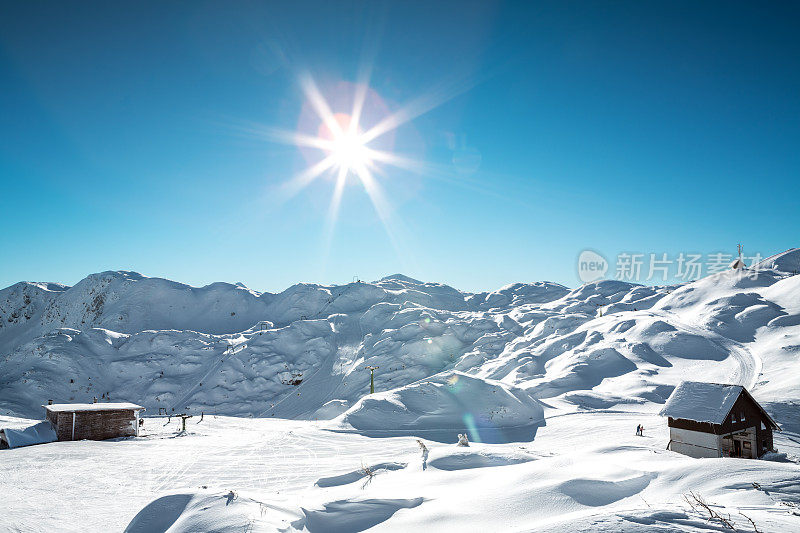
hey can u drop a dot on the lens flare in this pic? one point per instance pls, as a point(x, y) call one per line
point(472, 427)
point(332, 136)
point(339, 146)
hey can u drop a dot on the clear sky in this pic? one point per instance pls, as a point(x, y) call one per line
point(133, 137)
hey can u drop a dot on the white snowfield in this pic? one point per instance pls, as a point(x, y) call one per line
point(549, 384)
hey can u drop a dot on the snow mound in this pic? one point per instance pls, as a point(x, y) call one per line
point(457, 458)
point(356, 475)
point(330, 410)
point(599, 492)
point(189, 512)
point(444, 405)
point(345, 516)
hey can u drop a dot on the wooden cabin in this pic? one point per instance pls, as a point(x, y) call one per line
point(717, 420)
point(94, 421)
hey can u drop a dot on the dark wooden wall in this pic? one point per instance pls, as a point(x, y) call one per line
point(691, 425)
point(752, 417)
point(94, 425)
point(63, 424)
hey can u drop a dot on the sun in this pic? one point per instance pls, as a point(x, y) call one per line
point(349, 152)
point(346, 145)
point(338, 146)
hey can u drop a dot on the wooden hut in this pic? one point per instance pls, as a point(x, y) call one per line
point(717, 420)
point(94, 421)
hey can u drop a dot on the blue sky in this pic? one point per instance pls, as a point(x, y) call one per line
point(618, 127)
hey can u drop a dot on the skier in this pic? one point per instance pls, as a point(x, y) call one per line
point(638, 429)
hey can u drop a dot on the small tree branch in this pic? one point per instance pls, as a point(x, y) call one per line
point(755, 529)
point(696, 502)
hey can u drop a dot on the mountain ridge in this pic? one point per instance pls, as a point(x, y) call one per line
point(227, 349)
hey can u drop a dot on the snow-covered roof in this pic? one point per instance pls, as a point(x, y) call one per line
point(40, 433)
point(73, 407)
point(738, 263)
point(702, 402)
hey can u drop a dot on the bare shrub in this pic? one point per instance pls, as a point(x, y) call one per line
point(369, 473)
point(698, 504)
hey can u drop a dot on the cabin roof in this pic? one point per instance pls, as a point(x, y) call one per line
point(76, 407)
point(706, 402)
point(702, 402)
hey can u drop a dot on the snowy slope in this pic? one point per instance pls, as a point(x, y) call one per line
point(585, 471)
point(229, 350)
point(548, 382)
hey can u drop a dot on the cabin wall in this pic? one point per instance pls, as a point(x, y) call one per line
point(745, 408)
point(691, 425)
point(95, 425)
point(62, 422)
point(693, 443)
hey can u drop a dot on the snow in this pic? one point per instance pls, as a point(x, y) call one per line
point(584, 471)
point(487, 410)
point(40, 433)
point(549, 384)
point(788, 261)
point(100, 406)
point(702, 402)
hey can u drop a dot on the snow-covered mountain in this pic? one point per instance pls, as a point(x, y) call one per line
point(301, 353)
point(551, 381)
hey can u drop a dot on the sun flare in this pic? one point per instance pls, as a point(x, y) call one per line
point(338, 146)
point(345, 151)
point(349, 151)
point(346, 144)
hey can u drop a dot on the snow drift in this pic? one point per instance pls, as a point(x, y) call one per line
point(445, 405)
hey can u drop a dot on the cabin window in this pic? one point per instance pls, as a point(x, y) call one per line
point(763, 426)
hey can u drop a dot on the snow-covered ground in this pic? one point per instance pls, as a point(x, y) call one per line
point(584, 472)
point(549, 383)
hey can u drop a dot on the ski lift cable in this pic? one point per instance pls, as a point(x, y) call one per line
point(331, 299)
point(230, 351)
point(334, 352)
